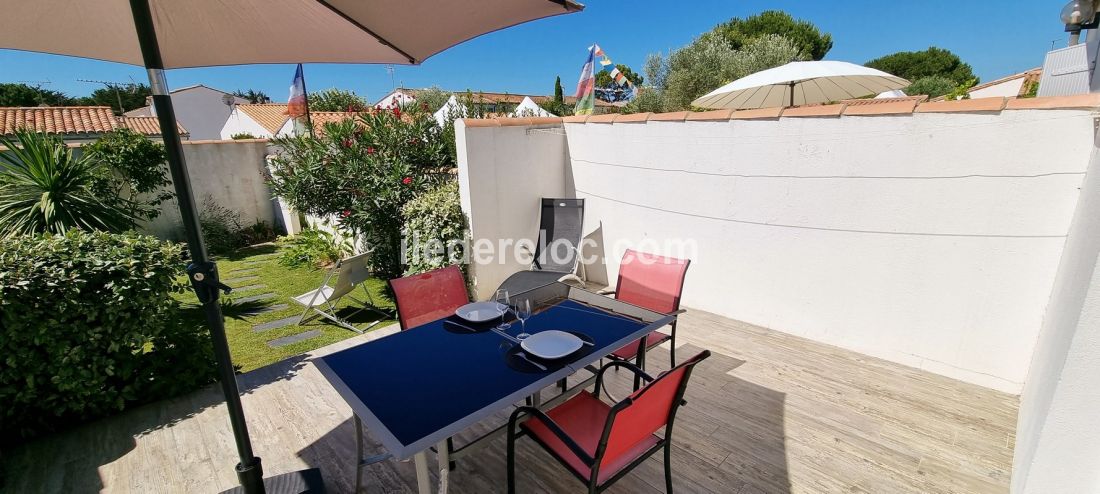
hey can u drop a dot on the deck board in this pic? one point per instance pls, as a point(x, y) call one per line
point(768, 413)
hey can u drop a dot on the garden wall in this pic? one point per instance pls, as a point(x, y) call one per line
point(232, 174)
point(926, 236)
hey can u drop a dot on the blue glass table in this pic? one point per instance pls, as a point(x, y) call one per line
point(418, 388)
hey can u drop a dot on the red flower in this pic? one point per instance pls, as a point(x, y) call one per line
point(346, 213)
point(397, 111)
point(370, 150)
point(407, 180)
point(348, 142)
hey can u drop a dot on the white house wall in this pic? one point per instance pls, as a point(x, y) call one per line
point(201, 111)
point(927, 239)
point(240, 123)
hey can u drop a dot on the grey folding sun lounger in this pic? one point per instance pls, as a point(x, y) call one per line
point(350, 273)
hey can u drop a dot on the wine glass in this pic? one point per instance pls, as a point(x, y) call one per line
point(523, 312)
point(503, 303)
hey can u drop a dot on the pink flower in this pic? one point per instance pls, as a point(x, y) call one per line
point(348, 142)
point(346, 213)
point(407, 180)
point(370, 150)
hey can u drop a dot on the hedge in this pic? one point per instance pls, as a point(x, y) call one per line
point(88, 326)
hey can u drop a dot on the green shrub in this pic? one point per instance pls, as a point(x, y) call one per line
point(242, 135)
point(135, 168)
point(88, 326)
point(314, 248)
point(435, 229)
point(221, 227)
point(224, 232)
point(45, 188)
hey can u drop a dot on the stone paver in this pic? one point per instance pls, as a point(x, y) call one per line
point(294, 338)
point(279, 323)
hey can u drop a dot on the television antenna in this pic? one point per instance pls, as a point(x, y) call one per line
point(115, 86)
point(393, 85)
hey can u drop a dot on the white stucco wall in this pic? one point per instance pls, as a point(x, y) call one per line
point(931, 240)
point(503, 173)
point(1058, 435)
point(1009, 89)
point(201, 111)
point(229, 172)
point(239, 122)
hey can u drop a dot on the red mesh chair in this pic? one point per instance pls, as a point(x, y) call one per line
point(600, 443)
point(425, 297)
point(655, 283)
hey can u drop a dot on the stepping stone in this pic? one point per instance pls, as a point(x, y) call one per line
point(249, 287)
point(264, 310)
point(259, 328)
point(243, 279)
point(294, 338)
point(242, 272)
point(254, 298)
point(254, 262)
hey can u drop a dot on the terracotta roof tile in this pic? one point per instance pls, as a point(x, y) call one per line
point(68, 120)
point(757, 113)
point(815, 111)
point(676, 116)
point(147, 126)
point(710, 115)
point(1089, 100)
point(963, 105)
point(270, 116)
point(898, 106)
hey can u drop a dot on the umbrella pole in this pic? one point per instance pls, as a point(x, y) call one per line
point(203, 273)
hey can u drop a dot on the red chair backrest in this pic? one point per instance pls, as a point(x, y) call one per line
point(651, 281)
point(651, 409)
point(425, 297)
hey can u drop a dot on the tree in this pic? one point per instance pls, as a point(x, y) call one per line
point(933, 86)
point(336, 100)
point(432, 98)
point(559, 96)
point(740, 32)
point(12, 94)
point(608, 90)
point(133, 168)
point(914, 65)
point(132, 96)
point(709, 62)
point(253, 96)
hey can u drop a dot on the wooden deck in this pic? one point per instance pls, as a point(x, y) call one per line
point(768, 413)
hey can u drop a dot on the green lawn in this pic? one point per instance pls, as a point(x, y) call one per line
point(250, 348)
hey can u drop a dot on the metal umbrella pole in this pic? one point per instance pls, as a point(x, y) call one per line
point(203, 273)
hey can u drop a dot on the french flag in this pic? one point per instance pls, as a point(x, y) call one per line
point(296, 105)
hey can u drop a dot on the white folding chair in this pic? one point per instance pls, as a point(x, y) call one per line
point(350, 273)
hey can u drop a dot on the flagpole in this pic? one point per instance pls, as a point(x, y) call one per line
point(305, 92)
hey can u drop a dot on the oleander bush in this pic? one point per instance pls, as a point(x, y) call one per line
point(88, 326)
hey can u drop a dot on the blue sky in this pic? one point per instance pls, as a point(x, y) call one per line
point(996, 38)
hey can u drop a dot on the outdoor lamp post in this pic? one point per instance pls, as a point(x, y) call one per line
point(1078, 15)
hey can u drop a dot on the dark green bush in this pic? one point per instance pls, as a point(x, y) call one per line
point(435, 229)
point(88, 326)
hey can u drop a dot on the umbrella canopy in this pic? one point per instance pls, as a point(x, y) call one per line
point(198, 33)
point(801, 83)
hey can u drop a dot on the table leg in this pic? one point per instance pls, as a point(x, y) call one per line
point(358, 454)
point(423, 480)
point(443, 461)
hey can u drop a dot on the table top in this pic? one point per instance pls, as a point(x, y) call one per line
point(420, 386)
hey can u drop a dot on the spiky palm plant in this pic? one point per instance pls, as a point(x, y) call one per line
point(44, 188)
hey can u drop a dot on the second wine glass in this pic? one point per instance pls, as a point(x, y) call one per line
point(523, 312)
point(503, 302)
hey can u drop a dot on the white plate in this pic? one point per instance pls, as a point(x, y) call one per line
point(480, 311)
point(551, 344)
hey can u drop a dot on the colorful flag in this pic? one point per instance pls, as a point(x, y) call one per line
point(598, 51)
point(586, 86)
point(296, 105)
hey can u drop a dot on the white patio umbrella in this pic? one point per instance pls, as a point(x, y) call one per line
point(167, 34)
point(801, 83)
